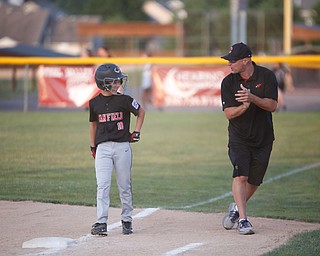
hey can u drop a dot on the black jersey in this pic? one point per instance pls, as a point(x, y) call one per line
point(112, 114)
point(254, 127)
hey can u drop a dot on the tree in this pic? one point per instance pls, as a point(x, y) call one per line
point(316, 8)
point(109, 10)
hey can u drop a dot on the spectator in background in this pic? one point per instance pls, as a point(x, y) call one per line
point(285, 83)
point(86, 52)
point(146, 82)
point(104, 51)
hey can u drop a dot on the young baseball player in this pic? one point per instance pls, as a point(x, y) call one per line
point(249, 94)
point(110, 139)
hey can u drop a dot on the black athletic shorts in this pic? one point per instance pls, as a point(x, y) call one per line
point(250, 161)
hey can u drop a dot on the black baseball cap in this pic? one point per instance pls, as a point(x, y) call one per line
point(238, 51)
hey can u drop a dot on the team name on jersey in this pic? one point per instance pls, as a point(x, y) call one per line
point(116, 116)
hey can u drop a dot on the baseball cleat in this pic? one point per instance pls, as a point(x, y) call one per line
point(231, 218)
point(126, 228)
point(99, 229)
point(245, 227)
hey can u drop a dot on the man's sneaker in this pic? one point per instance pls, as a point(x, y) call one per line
point(245, 227)
point(231, 218)
point(99, 229)
point(126, 227)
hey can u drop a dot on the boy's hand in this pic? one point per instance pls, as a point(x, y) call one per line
point(135, 136)
point(93, 151)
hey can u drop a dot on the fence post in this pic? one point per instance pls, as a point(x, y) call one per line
point(26, 88)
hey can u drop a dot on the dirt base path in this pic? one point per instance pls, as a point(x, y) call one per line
point(162, 232)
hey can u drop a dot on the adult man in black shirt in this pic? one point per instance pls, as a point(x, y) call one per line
point(249, 95)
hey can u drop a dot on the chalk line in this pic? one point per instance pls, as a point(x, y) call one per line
point(57, 244)
point(183, 249)
point(301, 169)
point(141, 214)
point(277, 177)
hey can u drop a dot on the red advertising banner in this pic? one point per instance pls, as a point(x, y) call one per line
point(187, 86)
point(66, 86)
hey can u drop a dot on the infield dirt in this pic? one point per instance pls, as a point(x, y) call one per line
point(157, 234)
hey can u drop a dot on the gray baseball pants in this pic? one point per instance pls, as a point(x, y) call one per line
point(118, 156)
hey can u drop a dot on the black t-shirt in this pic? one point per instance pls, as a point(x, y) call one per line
point(112, 114)
point(254, 127)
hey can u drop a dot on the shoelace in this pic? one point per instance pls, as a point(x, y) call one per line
point(98, 224)
point(234, 216)
point(127, 224)
point(245, 224)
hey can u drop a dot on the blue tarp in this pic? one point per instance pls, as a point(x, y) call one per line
point(24, 50)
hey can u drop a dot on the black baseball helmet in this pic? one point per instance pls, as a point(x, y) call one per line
point(107, 75)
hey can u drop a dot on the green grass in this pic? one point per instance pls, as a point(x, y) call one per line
point(181, 160)
point(304, 244)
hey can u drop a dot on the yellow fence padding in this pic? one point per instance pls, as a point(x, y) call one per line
point(304, 61)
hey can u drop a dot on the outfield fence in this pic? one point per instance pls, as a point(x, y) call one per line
point(305, 68)
point(305, 61)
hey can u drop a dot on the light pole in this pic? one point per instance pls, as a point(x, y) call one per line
point(238, 21)
point(287, 26)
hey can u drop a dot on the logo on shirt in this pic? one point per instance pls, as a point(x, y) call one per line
point(258, 85)
point(135, 104)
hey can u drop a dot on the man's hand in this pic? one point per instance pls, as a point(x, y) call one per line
point(246, 97)
point(243, 95)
